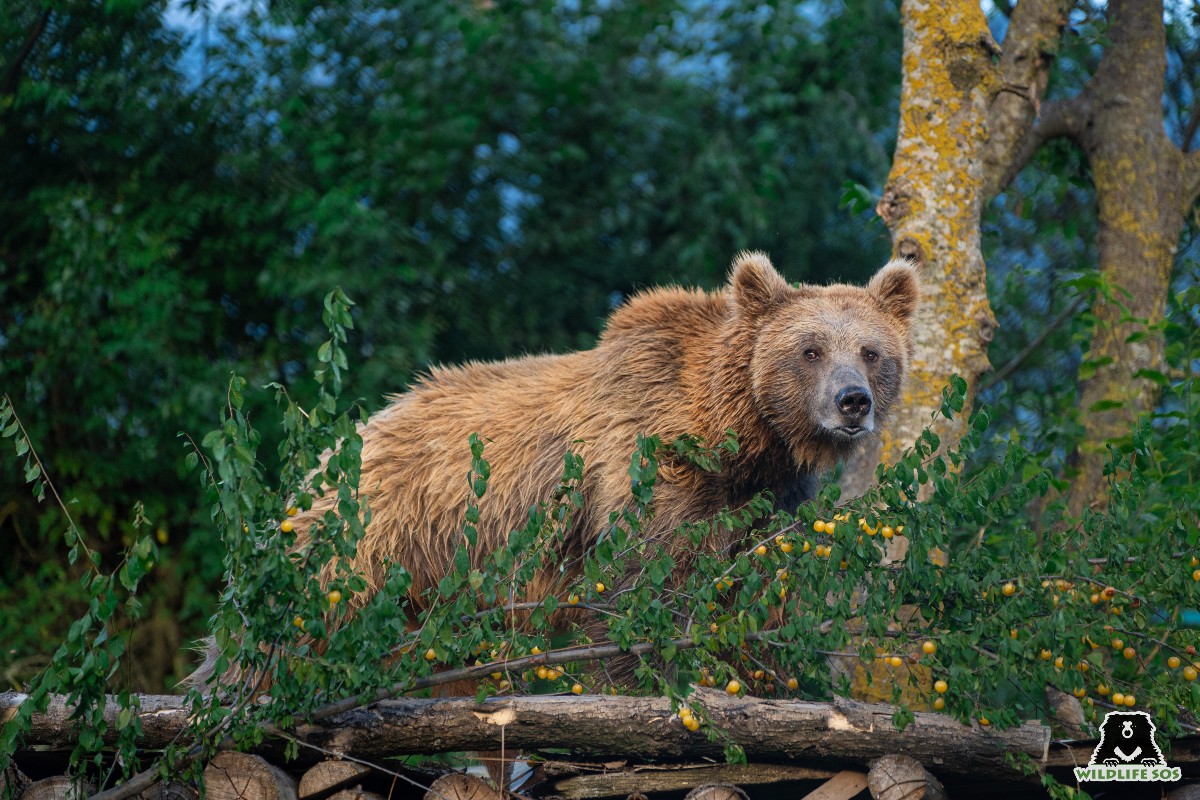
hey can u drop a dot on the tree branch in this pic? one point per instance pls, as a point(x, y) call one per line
point(1060, 118)
point(12, 77)
point(1034, 32)
point(1019, 359)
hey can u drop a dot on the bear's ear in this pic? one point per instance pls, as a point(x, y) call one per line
point(755, 282)
point(897, 288)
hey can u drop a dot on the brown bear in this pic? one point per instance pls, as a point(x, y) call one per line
point(803, 375)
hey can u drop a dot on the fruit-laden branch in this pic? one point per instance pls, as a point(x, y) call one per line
point(640, 728)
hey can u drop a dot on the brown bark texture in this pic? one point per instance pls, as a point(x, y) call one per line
point(1145, 186)
point(931, 204)
point(641, 728)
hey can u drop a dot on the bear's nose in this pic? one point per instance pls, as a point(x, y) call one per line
point(854, 402)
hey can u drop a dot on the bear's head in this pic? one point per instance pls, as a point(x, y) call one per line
point(828, 362)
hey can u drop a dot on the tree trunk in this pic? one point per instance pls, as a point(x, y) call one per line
point(1142, 195)
point(931, 205)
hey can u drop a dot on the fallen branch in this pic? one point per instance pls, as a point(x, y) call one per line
point(638, 728)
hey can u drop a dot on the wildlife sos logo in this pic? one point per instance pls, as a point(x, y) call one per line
point(1127, 751)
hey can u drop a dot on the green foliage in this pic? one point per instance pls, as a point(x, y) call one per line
point(177, 206)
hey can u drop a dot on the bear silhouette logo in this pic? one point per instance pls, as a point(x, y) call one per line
point(1126, 740)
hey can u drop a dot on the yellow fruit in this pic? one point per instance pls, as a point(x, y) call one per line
point(430, 655)
point(1079, 692)
point(1012, 634)
point(939, 703)
point(599, 588)
point(843, 564)
point(692, 724)
point(714, 627)
point(1084, 666)
point(1009, 589)
point(1045, 584)
point(1195, 562)
point(1173, 662)
point(887, 531)
point(830, 528)
point(537, 651)
point(940, 687)
point(761, 549)
point(1095, 598)
point(292, 511)
point(1129, 652)
point(335, 597)
point(1117, 644)
point(1058, 663)
point(712, 606)
point(807, 546)
point(819, 526)
point(793, 684)
point(299, 622)
point(733, 687)
point(1189, 673)
point(1130, 700)
point(1102, 690)
point(286, 526)
point(1045, 655)
point(984, 721)
point(1118, 699)
point(758, 674)
point(573, 600)
point(577, 689)
point(504, 686)
point(895, 661)
point(542, 672)
point(1196, 575)
point(929, 647)
point(786, 547)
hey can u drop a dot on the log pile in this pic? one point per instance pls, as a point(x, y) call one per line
point(593, 747)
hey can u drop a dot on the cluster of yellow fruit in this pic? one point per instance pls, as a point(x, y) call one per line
point(688, 718)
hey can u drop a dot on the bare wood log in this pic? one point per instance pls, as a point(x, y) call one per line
point(843, 786)
point(645, 728)
point(1189, 791)
point(899, 777)
point(717, 791)
point(329, 777)
point(457, 786)
point(13, 782)
point(357, 793)
point(60, 787)
point(169, 791)
point(641, 780)
point(241, 776)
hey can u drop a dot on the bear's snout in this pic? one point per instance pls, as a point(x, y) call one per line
point(854, 402)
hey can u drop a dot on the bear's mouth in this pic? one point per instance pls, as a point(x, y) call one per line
point(852, 431)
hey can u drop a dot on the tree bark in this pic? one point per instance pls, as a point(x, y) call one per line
point(1144, 189)
point(640, 728)
point(931, 204)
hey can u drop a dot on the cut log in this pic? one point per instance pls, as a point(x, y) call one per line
point(717, 791)
point(1190, 791)
point(457, 786)
point(240, 776)
point(644, 780)
point(843, 786)
point(357, 793)
point(60, 787)
point(13, 782)
point(170, 791)
point(897, 777)
point(329, 777)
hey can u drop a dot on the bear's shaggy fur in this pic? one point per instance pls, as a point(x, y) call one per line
point(768, 360)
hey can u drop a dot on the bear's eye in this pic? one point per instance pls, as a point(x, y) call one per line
point(870, 355)
point(811, 355)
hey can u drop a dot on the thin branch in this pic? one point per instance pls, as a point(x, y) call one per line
point(12, 78)
point(1190, 131)
point(1060, 118)
point(1012, 365)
